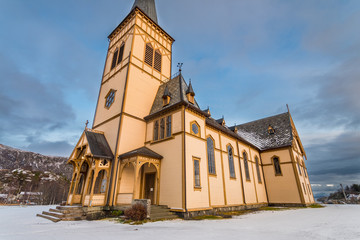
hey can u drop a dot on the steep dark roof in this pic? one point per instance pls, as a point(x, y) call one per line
point(143, 151)
point(177, 87)
point(256, 132)
point(220, 121)
point(99, 147)
point(166, 92)
point(148, 7)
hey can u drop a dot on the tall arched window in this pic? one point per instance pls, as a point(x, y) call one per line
point(156, 130)
point(211, 155)
point(231, 161)
point(90, 182)
point(168, 126)
point(162, 128)
point(100, 183)
point(277, 167)
point(73, 184)
point(80, 184)
point(246, 164)
point(258, 169)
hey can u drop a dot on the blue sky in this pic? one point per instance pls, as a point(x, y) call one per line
point(247, 60)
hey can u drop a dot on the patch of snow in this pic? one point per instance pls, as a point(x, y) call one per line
point(332, 222)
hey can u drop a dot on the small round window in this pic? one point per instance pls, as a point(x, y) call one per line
point(110, 98)
point(195, 128)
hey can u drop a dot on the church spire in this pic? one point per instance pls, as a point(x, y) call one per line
point(148, 7)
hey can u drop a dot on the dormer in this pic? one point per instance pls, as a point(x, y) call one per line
point(166, 96)
point(221, 121)
point(207, 111)
point(190, 94)
point(271, 130)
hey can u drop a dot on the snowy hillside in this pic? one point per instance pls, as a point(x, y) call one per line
point(12, 158)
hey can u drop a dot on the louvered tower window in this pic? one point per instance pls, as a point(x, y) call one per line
point(157, 60)
point(149, 54)
point(113, 63)
point(121, 53)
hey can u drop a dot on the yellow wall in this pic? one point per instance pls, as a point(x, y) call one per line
point(280, 189)
point(171, 171)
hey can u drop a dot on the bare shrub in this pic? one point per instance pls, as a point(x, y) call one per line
point(136, 212)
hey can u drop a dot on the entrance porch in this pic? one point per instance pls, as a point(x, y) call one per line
point(139, 176)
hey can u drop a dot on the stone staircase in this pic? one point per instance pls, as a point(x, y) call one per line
point(161, 212)
point(72, 213)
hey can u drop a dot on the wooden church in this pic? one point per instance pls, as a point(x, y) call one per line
point(151, 140)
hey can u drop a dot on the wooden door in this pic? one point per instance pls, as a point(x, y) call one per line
point(150, 187)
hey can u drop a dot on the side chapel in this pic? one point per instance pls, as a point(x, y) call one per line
point(151, 140)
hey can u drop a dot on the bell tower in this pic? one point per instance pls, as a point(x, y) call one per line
point(138, 61)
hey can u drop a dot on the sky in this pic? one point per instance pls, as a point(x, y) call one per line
point(246, 60)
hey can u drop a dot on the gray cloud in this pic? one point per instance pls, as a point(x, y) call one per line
point(29, 106)
point(336, 161)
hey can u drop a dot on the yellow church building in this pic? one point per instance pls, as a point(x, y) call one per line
point(151, 140)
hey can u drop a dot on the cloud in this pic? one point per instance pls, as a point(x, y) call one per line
point(335, 161)
point(58, 148)
point(29, 106)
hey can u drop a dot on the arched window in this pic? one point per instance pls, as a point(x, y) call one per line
point(246, 164)
point(258, 169)
point(149, 54)
point(100, 183)
point(168, 126)
point(211, 155)
point(80, 184)
point(162, 128)
point(115, 56)
point(298, 164)
point(91, 179)
point(83, 172)
point(231, 161)
point(277, 167)
point(156, 130)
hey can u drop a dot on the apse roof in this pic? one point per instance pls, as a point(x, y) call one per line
point(256, 132)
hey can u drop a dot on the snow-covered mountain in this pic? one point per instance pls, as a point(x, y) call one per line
point(12, 158)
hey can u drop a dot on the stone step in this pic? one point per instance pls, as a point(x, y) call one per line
point(63, 215)
point(55, 210)
point(164, 217)
point(53, 219)
point(69, 207)
point(52, 214)
point(159, 211)
point(73, 218)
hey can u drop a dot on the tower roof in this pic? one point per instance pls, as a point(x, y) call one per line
point(148, 7)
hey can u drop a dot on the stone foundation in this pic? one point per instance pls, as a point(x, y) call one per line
point(217, 210)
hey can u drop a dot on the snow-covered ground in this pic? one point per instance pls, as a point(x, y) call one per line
point(332, 222)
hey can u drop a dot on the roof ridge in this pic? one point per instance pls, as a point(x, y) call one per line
point(261, 119)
